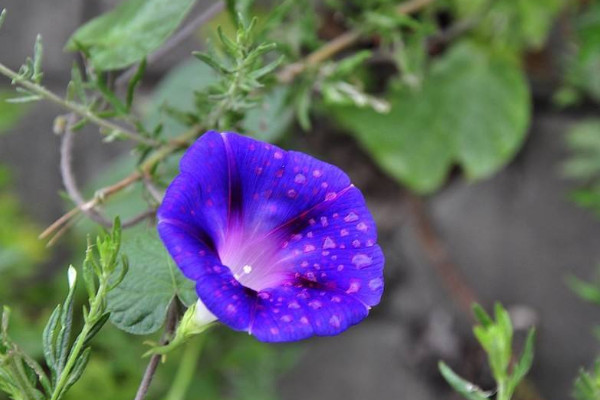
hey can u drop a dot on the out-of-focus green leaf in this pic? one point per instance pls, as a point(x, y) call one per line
point(517, 24)
point(176, 90)
point(587, 385)
point(266, 122)
point(10, 113)
point(130, 32)
point(271, 118)
point(139, 304)
point(583, 65)
point(473, 109)
point(583, 165)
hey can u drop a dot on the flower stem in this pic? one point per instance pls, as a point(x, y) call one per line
point(187, 367)
point(73, 107)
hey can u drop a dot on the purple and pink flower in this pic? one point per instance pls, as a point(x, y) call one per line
point(280, 244)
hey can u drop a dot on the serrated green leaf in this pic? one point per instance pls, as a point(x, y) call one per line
point(473, 109)
point(463, 387)
point(139, 304)
point(130, 32)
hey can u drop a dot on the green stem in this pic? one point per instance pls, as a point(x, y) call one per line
point(73, 107)
point(187, 367)
point(76, 350)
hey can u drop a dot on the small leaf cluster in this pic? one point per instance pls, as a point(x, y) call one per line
point(495, 336)
point(66, 356)
point(30, 71)
point(243, 70)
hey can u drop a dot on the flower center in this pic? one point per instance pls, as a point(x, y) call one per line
point(254, 264)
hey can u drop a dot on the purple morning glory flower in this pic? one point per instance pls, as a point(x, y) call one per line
point(280, 244)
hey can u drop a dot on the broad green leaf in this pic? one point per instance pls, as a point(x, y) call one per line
point(10, 113)
point(463, 387)
point(130, 32)
point(473, 109)
point(139, 304)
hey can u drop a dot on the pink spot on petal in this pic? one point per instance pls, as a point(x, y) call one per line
point(278, 155)
point(334, 321)
point(299, 179)
point(362, 227)
point(351, 217)
point(328, 243)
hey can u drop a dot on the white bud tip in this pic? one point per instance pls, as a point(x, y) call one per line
point(202, 316)
point(72, 276)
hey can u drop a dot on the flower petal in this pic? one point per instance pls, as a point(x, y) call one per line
point(199, 196)
point(295, 312)
point(279, 185)
point(222, 295)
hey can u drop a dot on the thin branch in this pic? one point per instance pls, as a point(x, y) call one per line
point(436, 252)
point(175, 40)
point(68, 177)
point(340, 43)
point(172, 316)
point(106, 192)
point(73, 107)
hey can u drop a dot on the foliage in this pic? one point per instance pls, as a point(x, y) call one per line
point(422, 86)
point(587, 385)
point(128, 33)
point(139, 304)
point(583, 60)
point(495, 336)
point(473, 109)
point(583, 165)
point(21, 377)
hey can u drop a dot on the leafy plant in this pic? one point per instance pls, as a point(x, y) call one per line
point(495, 336)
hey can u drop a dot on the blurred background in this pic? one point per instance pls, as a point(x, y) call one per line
point(455, 226)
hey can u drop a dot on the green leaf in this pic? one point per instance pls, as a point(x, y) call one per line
point(176, 90)
point(587, 385)
point(130, 32)
point(482, 316)
point(518, 24)
point(473, 109)
point(525, 362)
point(10, 113)
point(583, 64)
point(139, 304)
point(270, 120)
point(463, 387)
point(585, 290)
